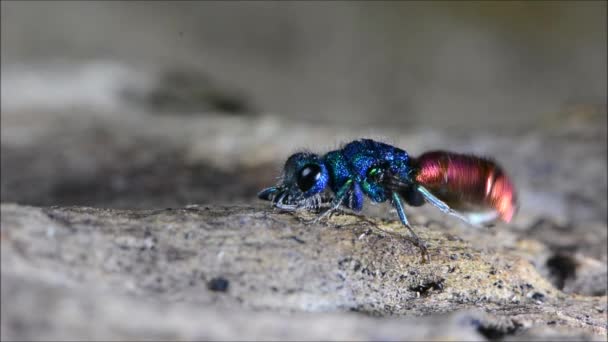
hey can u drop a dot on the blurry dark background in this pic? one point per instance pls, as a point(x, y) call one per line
point(466, 65)
point(154, 104)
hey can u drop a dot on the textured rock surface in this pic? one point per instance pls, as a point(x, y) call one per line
point(100, 237)
point(200, 264)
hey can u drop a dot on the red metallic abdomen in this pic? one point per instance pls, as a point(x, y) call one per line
point(467, 181)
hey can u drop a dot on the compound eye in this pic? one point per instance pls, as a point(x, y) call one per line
point(308, 176)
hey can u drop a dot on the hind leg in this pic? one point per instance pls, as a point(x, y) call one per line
point(398, 204)
point(441, 205)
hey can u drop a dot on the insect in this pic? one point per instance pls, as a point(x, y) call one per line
point(471, 188)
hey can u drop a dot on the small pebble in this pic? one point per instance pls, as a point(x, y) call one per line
point(218, 284)
point(538, 296)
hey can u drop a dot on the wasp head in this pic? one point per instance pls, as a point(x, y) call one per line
point(304, 178)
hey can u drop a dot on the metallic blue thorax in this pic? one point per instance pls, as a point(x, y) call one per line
point(356, 161)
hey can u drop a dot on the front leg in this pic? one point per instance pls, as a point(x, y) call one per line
point(398, 204)
point(337, 201)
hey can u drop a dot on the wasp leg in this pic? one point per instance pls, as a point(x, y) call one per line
point(277, 202)
point(397, 202)
point(337, 201)
point(439, 204)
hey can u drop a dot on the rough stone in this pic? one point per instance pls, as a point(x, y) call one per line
point(80, 260)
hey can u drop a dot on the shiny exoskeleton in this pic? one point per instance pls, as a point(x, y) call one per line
point(477, 187)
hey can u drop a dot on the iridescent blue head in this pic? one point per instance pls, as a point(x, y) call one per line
point(305, 177)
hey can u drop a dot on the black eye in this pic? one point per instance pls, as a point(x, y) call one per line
point(308, 176)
